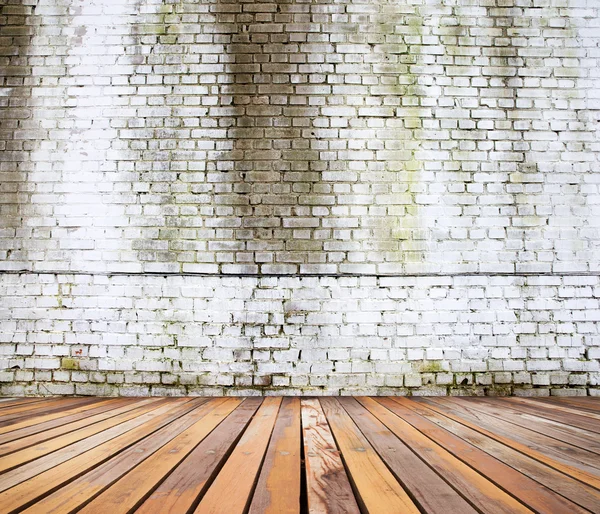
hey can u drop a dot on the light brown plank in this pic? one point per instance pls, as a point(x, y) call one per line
point(37, 410)
point(278, 488)
point(415, 476)
point(119, 485)
point(563, 418)
point(475, 488)
point(376, 488)
point(42, 419)
point(13, 402)
point(589, 403)
point(458, 413)
point(183, 489)
point(28, 436)
point(562, 407)
point(30, 406)
point(39, 485)
point(537, 497)
point(563, 453)
point(581, 494)
point(31, 453)
point(231, 490)
point(527, 419)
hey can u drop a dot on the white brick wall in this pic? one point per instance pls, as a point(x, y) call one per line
point(93, 334)
point(434, 163)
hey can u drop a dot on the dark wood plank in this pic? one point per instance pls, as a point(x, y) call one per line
point(61, 467)
point(183, 489)
point(483, 425)
point(375, 486)
point(328, 487)
point(120, 484)
point(414, 475)
point(483, 494)
point(232, 488)
point(581, 494)
point(533, 494)
point(278, 487)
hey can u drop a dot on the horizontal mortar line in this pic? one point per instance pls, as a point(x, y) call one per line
point(306, 275)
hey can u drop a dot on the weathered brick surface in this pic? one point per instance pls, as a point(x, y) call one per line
point(294, 137)
point(354, 139)
point(299, 335)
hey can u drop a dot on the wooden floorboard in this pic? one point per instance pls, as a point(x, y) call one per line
point(290, 455)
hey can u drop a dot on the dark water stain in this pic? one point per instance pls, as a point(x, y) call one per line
point(18, 137)
point(269, 175)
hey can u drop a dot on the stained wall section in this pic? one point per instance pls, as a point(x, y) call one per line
point(317, 153)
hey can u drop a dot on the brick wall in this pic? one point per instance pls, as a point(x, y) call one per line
point(403, 194)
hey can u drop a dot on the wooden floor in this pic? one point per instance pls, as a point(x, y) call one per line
point(327, 455)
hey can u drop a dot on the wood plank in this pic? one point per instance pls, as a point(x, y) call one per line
point(328, 488)
point(563, 407)
point(484, 495)
point(28, 428)
point(47, 426)
point(25, 455)
point(28, 406)
point(375, 486)
point(106, 413)
point(480, 424)
point(41, 409)
point(414, 475)
point(581, 494)
point(123, 482)
point(588, 403)
point(563, 418)
point(536, 496)
point(183, 489)
point(556, 450)
point(526, 419)
point(278, 487)
point(62, 467)
point(13, 402)
point(35, 417)
point(232, 488)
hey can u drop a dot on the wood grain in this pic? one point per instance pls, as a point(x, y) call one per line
point(416, 476)
point(231, 490)
point(328, 487)
point(320, 456)
point(533, 494)
point(579, 493)
point(456, 412)
point(183, 489)
point(131, 489)
point(376, 488)
point(278, 487)
point(61, 467)
point(475, 488)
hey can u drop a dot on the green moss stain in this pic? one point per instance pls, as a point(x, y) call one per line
point(405, 225)
point(431, 367)
point(68, 363)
